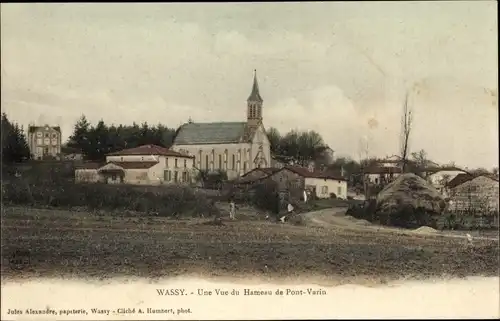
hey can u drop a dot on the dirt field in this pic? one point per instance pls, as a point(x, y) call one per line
point(68, 244)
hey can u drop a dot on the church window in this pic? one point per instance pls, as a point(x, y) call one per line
point(206, 161)
point(220, 161)
point(213, 155)
point(234, 162)
point(225, 155)
point(239, 154)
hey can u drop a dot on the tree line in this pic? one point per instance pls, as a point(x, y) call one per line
point(14, 144)
point(95, 141)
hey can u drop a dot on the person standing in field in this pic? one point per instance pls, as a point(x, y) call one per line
point(232, 209)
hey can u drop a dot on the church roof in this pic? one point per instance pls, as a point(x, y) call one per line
point(255, 95)
point(213, 133)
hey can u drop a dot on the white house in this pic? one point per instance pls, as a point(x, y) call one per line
point(233, 147)
point(322, 183)
point(143, 165)
point(441, 178)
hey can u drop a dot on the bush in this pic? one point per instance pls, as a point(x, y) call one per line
point(168, 201)
point(266, 197)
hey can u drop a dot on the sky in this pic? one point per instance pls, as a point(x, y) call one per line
point(342, 69)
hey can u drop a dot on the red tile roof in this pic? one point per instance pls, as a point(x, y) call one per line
point(148, 150)
point(305, 172)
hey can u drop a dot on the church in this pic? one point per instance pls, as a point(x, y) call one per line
point(233, 147)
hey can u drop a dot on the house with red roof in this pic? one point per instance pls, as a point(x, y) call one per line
point(142, 165)
point(322, 184)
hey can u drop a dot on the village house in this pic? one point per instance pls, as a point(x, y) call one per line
point(322, 184)
point(473, 193)
point(44, 141)
point(143, 165)
point(440, 178)
point(233, 147)
point(386, 170)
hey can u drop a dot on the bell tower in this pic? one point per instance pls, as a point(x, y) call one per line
point(254, 104)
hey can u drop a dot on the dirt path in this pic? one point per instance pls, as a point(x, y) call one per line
point(336, 218)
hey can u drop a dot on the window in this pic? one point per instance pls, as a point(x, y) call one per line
point(324, 190)
point(46, 141)
point(39, 134)
point(113, 177)
point(54, 135)
point(39, 141)
point(206, 161)
point(54, 141)
point(167, 175)
point(213, 155)
point(175, 163)
point(225, 156)
point(244, 166)
point(185, 163)
point(176, 176)
point(166, 162)
point(184, 177)
point(239, 154)
point(194, 162)
point(46, 135)
point(220, 161)
point(234, 162)
point(339, 191)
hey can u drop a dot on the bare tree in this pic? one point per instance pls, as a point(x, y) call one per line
point(363, 150)
point(406, 122)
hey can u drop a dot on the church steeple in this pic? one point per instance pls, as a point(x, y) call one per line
point(255, 95)
point(254, 104)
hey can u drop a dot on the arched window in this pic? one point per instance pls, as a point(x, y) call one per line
point(206, 162)
point(234, 162)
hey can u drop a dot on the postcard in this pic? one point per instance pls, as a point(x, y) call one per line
point(268, 160)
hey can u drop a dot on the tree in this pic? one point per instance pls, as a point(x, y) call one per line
point(14, 145)
point(420, 158)
point(405, 133)
point(80, 137)
point(275, 138)
point(302, 147)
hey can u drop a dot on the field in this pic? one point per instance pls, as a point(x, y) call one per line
point(77, 244)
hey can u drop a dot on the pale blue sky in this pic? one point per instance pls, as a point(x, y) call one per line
point(331, 67)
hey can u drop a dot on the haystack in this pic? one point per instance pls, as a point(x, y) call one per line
point(410, 191)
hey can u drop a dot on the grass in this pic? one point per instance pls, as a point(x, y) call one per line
point(62, 243)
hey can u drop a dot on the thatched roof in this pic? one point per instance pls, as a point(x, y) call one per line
point(410, 190)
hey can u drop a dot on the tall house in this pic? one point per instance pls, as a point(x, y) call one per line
point(44, 141)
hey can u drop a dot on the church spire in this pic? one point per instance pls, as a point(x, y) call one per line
point(255, 95)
